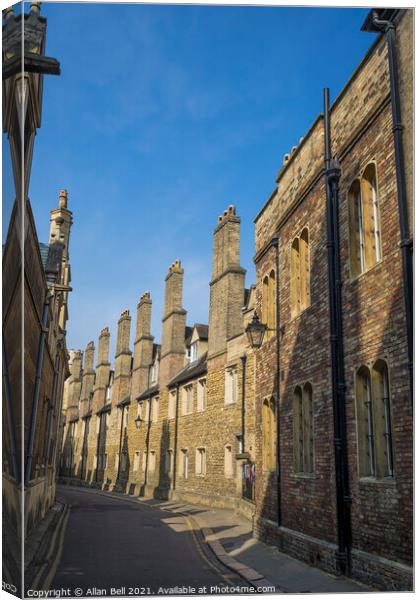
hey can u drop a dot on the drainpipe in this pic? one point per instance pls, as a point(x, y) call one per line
point(176, 437)
point(275, 244)
point(243, 360)
point(35, 399)
point(332, 177)
point(10, 418)
point(51, 408)
point(406, 243)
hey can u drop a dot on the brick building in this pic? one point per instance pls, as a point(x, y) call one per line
point(309, 433)
point(36, 284)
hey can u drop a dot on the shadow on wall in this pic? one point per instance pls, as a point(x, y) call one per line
point(164, 481)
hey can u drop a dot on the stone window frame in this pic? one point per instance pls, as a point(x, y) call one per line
point(231, 385)
point(361, 256)
point(374, 420)
point(269, 430)
point(154, 409)
point(169, 461)
point(201, 460)
point(268, 304)
point(303, 430)
point(136, 461)
point(202, 393)
point(228, 452)
point(151, 466)
point(187, 401)
point(300, 272)
point(172, 405)
point(184, 457)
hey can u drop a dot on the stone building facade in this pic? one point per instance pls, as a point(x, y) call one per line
point(322, 466)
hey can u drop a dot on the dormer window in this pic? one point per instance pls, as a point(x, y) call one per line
point(194, 352)
point(154, 372)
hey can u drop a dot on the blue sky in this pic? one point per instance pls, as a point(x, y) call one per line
point(161, 118)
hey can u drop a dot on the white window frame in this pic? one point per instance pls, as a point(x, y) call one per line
point(194, 351)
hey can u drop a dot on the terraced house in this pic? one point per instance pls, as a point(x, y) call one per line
point(294, 404)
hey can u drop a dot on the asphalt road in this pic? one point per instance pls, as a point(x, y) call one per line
point(113, 546)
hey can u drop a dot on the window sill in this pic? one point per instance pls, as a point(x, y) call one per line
point(230, 404)
point(305, 476)
point(354, 278)
point(380, 481)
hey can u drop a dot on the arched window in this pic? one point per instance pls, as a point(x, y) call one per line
point(308, 442)
point(264, 306)
point(271, 316)
point(298, 430)
point(304, 269)
point(269, 435)
point(364, 223)
point(295, 278)
point(382, 420)
point(300, 273)
point(365, 423)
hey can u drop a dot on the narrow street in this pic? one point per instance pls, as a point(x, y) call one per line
point(116, 544)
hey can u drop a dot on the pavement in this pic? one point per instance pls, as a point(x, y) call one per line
point(116, 540)
point(231, 538)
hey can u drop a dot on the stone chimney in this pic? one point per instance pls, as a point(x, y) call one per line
point(60, 226)
point(88, 379)
point(173, 332)
point(143, 346)
point(74, 383)
point(122, 373)
point(227, 284)
point(102, 370)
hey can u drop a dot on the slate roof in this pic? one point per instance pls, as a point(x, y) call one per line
point(124, 401)
point(188, 335)
point(194, 369)
point(105, 408)
point(151, 391)
point(202, 330)
point(44, 249)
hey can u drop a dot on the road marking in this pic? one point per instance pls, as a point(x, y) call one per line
point(54, 564)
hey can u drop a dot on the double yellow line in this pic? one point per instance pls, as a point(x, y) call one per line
point(58, 533)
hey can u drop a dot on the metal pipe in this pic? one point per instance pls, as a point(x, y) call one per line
point(332, 176)
point(176, 436)
point(275, 244)
point(38, 374)
point(10, 416)
point(243, 360)
point(406, 243)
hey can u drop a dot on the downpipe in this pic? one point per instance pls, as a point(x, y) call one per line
point(388, 27)
point(275, 244)
point(332, 178)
